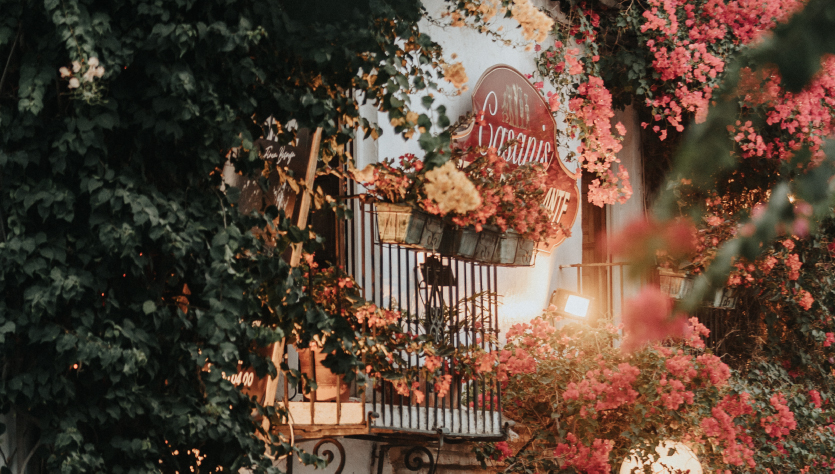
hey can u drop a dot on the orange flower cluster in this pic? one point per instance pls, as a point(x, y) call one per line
point(511, 196)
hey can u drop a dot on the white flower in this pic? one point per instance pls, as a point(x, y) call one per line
point(89, 75)
point(74, 83)
point(456, 74)
point(76, 66)
point(99, 71)
point(366, 176)
point(93, 62)
point(535, 24)
point(451, 189)
point(64, 72)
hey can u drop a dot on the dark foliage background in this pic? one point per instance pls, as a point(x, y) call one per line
point(111, 205)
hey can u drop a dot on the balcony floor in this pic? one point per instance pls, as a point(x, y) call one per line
point(458, 421)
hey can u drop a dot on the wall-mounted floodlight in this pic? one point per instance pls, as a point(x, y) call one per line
point(571, 304)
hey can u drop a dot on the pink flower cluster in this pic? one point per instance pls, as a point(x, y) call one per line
point(592, 459)
point(518, 361)
point(689, 42)
point(816, 398)
point(648, 317)
point(432, 363)
point(504, 449)
point(714, 369)
point(377, 317)
point(696, 330)
point(794, 264)
point(735, 442)
point(511, 196)
point(592, 114)
point(781, 423)
point(442, 385)
point(806, 299)
point(605, 392)
point(485, 362)
point(610, 388)
point(673, 393)
point(805, 117)
point(784, 260)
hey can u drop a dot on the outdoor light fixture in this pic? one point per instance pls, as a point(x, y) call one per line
point(435, 272)
point(683, 459)
point(571, 304)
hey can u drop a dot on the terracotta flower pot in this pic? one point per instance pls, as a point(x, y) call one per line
point(328, 383)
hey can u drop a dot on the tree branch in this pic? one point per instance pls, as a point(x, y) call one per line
point(9, 61)
point(22, 469)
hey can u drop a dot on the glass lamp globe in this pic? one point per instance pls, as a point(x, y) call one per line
point(682, 460)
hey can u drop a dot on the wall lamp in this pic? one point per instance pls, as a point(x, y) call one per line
point(571, 304)
point(435, 272)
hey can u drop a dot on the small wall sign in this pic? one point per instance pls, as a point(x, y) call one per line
point(299, 157)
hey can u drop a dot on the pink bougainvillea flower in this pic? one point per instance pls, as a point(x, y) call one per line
point(642, 238)
point(815, 396)
point(502, 446)
point(646, 318)
point(806, 300)
point(554, 102)
point(632, 239)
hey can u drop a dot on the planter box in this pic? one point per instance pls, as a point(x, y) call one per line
point(488, 241)
point(678, 286)
point(408, 227)
point(675, 284)
point(459, 242)
point(505, 253)
point(514, 251)
point(525, 252)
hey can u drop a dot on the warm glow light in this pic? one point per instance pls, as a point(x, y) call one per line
point(516, 310)
point(571, 304)
point(682, 460)
point(577, 306)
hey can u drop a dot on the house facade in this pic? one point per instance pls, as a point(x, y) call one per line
point(377, 430)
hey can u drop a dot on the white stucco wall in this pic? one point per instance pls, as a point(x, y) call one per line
point(620, 215)
point(524, 291)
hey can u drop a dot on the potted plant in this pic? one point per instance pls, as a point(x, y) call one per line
point(380, 337)
point(511, 218)
point(411, 201)
point(336, 293)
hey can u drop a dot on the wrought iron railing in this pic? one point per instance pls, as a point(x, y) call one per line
point(452, 300)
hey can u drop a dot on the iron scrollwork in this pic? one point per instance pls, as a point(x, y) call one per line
point(414, 461)
point(328, 453)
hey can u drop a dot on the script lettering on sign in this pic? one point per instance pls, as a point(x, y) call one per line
point(262, 388)
point(299, 159)
point(511, 109)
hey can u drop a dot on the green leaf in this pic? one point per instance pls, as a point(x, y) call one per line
point(149, 307)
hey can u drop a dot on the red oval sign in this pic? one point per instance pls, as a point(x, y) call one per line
point(512, 109)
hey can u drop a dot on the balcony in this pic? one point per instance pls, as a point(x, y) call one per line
point(449, 299)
